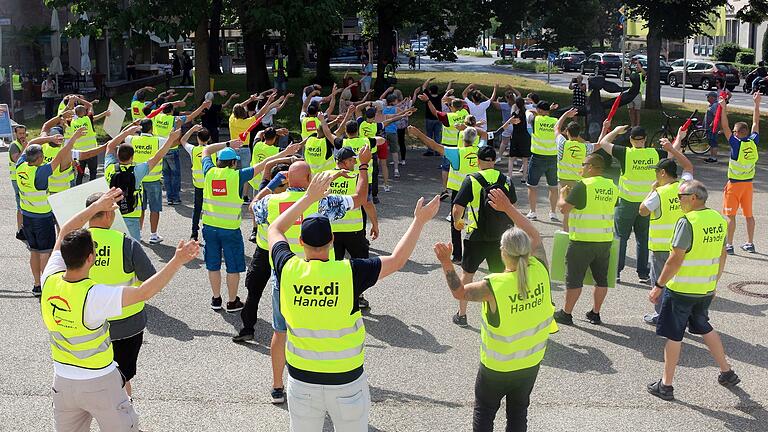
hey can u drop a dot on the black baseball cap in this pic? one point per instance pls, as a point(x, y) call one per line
point(543, 105)
point(370, 112)
point(344, 153)
point(316, 230)
point(668, 165)
point(637, 132)
point(486, 153)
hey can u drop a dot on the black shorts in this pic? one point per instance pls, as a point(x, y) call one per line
point(520, 146)
point(475, 252)
point(40, 233)
point(353, 242)
point(680, 311)
point(127, 353)
point(542, 165)
point(582, 255)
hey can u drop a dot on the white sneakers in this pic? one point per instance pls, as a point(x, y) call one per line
point(532, 215)
point(553, 217)
point(155, 239)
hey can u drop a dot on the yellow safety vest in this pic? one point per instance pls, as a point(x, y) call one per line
point(16, 79)
point(87, 141)
point(137, 110)
point(162, 125)
point(276, 67)
point(357, 144)
point(144, 147)
point(543, 137)
point(11, 163)
point(662, 225)
point(222, 204)
point(198, 179)
point(450, 136)
point(490, 175)
point(261, 151)
point(520, 339)
point(467, 165)
point(594, 223)
point(639, 174)
point(280, 203)
point(109, 171)
point(108, 267)
point(743, 168)
point(72, 342)
point(698, 273)
point(316, 298)
point(31, 199)
point(569, 166)
point(353, 219)
point(62, 107)
point(309, 126)
point(368, 130)
point(314, 154)
point(60, 180)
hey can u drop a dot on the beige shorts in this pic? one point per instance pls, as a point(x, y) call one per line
point(637, 103)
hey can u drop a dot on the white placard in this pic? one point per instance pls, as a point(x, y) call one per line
point(113, 124)
point(71, 201)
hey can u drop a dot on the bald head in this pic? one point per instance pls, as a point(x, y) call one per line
point(299, 175)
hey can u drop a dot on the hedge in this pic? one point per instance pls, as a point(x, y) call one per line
point(727, 52)
point(746, 56)
point(744, 69)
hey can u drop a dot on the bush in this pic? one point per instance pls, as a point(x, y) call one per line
point(744, 69)
point(535, 66)
point(727, 51)
point(569, 49)
point(506, 61)
point(746, 56)
point(478, 53)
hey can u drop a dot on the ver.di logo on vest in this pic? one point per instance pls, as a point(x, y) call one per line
point(60, 304)
point(102, 255)
point(219, 187)
point(327, 296)
point(284, 206)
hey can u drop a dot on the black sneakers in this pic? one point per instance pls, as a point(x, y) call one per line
point(728, 379)
point(20, 235)
point(645, 280)
point(243, 336)
point(661, 391)
point(460, 320)
point(216, 303)
point(562, 317)
point(234, 306)
point(37, 291)
point(278, 395)
point(593, 318)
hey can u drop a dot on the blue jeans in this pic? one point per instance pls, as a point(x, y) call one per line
point(172, 175)
point(226, 242)
point(16, 193)
point(434, 130)
point(133, 227)
point(153, 196)
point(278, 320)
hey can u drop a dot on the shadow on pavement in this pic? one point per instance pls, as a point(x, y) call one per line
point(577, 358)
point(16, 294)
point(383, 395)
point(165, 253)
point(722, 304)
point(736, 423)
point(396, 333)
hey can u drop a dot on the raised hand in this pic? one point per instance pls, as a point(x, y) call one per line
point(106, 202)
point(319, 187)
point(443, 252)
point(186, 251)
point(235, 144)
point(500, 201)
point(423, 213)
point(365, 155)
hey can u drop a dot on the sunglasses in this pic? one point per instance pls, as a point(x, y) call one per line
point(680, 195)
point(586, 164)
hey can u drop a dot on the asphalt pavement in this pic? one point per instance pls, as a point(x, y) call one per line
point(421, 367)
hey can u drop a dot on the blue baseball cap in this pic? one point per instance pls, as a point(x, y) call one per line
point(227, 154)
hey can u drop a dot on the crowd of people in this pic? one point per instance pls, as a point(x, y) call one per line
point(312, 196)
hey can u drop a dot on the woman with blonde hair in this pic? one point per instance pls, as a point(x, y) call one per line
point(516, 319)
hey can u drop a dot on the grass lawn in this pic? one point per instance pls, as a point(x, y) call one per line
point(408, 80)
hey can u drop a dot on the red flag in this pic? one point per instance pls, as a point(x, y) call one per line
point(688, 122)
point(614, 108)
point(244, 135)
point(716, 122)
point(157, 111)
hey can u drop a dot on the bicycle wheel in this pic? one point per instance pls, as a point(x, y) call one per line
point(698, 141)
point(659, 134)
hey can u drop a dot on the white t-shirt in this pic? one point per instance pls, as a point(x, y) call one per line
point(102, 302)
point(479, 111)
point(267, 119)
point(317, 99)
point(653, 202)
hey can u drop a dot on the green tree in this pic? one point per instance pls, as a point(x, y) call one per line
point(670, 19)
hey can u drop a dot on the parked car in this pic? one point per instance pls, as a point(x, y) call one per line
point(678, 64)
point(664, 69)
point(602, 64)
point(506, 51)
point(704, 74)
point(568, 60)
point(533, 52)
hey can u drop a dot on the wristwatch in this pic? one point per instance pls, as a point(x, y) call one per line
point(658, 286)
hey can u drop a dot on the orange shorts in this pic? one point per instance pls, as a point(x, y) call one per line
point(737, 195)
point(382, 151)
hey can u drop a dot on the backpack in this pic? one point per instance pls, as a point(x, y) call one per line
point(125, 179)
point(491, 223)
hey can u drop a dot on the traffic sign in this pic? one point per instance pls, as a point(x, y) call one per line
point(5, 21)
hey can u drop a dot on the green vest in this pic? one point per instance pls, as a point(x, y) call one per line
point(569, 166)
point(109, 171)
point(60, 180)
point(490, 175)
point(309, 126)
point(323, 336)
point(357, 144)
point(368, 130)
point(198, 179)
point(62, 107)
point(639, 174)
point(261, 151)
point(137, 110)
point(662, 225)
point(520, 339)
point(543, 137)
point(743, 168)
point(353, 219)
point(276, 67)
point(162, 125)
point(314, 154)
point(31, 199)
point(108, 267)
point(16, 80)
point(450, 136)
point(222, 204)
point(144, 147)
point(698, 273)
point(11, 163)
point(467, 165)
point(595, 222)
point(72, 342)
point(277, 205)
point(87, 141)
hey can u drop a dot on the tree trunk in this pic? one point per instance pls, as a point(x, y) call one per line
point(256, 76)
point(323, 66)
point(214, 43)
point(386, 20)
point(202, 73)
point(653, 84)
point(295, 58)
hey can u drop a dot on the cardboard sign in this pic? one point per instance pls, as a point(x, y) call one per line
point(560, 246)
point(113, 124)
point(70, 202)
point(6, 131)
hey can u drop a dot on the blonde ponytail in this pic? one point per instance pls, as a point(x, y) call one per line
point(516, 245)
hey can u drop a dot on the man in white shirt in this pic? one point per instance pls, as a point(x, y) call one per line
point(87, 383)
